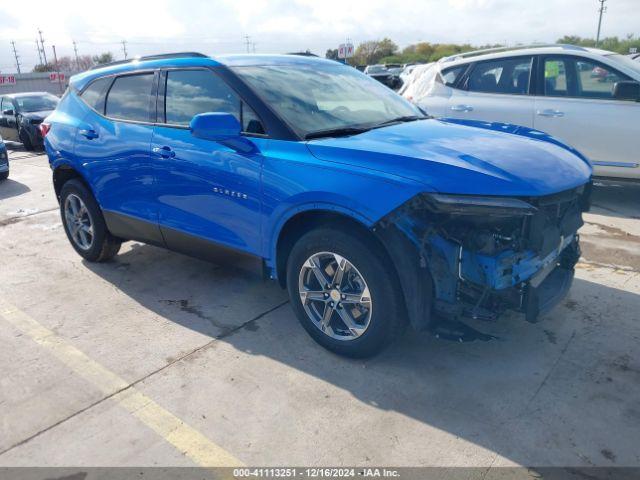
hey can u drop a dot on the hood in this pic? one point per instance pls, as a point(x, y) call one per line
point(40, 115)
point(475, 158)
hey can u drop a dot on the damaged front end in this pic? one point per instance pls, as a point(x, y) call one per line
point(477, 256)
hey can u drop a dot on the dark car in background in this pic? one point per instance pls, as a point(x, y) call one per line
point(22, 113)
point(385, 75)
point(4, 161)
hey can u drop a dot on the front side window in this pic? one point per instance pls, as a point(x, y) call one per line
point(325, 96)
point(130, 98)
point(505, 76)
point(191, 92)
point(93, 95)
point(596, 80)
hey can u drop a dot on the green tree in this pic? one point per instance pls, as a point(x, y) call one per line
point(106, 57)
point(372, 51)
point(332, 54)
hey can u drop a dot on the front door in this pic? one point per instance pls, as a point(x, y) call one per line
point(204, 190)
point(577, 107)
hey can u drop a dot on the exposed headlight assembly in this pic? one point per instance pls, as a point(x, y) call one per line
point(478, 205)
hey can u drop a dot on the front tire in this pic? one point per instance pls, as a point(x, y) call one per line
point(4, 175)
point(84, 223)
point(26, 141)
point(345, 292)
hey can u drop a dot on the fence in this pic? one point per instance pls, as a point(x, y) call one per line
point(55, 83)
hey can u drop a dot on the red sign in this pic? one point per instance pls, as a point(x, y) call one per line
point(56, 77)
point(7, 80)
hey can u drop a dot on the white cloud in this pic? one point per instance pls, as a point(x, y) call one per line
point(218, 26)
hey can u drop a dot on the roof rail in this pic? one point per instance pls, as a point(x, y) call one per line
point(160, 56)
point(486, 51)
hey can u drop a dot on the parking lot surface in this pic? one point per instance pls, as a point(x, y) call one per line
point(157, 359)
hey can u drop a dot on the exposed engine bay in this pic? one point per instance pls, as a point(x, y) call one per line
point(484, 255)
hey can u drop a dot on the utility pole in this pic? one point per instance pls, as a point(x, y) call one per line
point(601, 10)
point(44, 53)
point(55, 59)
point(15, 54)
point(247, 41)
point(75, 51)
point(253, 46)
point(124, 48)
point(39, 52)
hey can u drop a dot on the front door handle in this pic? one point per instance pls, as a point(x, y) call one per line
point(462, 108)
point(549, 112)
point(164, 152)
point(88, 133)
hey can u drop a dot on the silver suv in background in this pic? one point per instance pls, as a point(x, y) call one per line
point(585, 97)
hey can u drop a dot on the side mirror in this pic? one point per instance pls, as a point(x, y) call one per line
point(9, 112)
point(215, 126)
point(626, 90)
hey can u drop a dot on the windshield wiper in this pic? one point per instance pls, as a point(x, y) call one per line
point(337, 132)
point(403, 119)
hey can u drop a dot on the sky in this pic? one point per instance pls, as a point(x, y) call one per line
point(277, 26)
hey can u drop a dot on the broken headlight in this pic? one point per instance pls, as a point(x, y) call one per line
point(470, 205)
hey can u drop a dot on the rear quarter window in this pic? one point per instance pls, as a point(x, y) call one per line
point(94, 94)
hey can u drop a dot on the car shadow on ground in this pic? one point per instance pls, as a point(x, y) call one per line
point(616, 199)
point(10, 188)
point(537, 383)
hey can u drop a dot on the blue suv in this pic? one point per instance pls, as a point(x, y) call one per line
point(370, 213)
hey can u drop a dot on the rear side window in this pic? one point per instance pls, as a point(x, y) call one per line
point(130, 98)
point(557, 74)
point(451, 75)
point(94, 94)
point(190, 92)
point(506, 76)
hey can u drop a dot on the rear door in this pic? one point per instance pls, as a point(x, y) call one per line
point(114, 142)
point(496, 91)
point(205, 189)
point(576, 105)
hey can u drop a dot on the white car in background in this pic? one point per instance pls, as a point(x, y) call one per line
point(587, 98)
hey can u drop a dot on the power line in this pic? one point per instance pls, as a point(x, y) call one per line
point(15, 54)
point(601, 10)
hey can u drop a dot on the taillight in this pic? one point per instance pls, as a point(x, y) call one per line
point(44, 129)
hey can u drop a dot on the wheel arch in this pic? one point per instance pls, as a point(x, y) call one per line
point(64, 172)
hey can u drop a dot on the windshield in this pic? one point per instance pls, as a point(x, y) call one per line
point(37, 103)
point(324, 96)
point(627, 62)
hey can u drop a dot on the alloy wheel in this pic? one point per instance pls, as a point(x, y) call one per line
point(79, 221)
point(335, 296)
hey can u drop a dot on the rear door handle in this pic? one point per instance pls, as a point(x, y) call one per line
point(164, 152)
point(88, 133)
point(549, 112)
point(462, 108)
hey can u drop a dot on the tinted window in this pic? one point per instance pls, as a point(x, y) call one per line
point(596, 80)
point(190, 92)
point(37, 103)
point(556, 75)
point(250, 121)
point(130, 97)
point(508, 76)
point(93, 95)
point(5, 104)
point(451, 75)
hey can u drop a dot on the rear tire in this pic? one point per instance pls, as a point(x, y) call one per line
point(84, 223)
point(4, 175)
point(368, 286)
